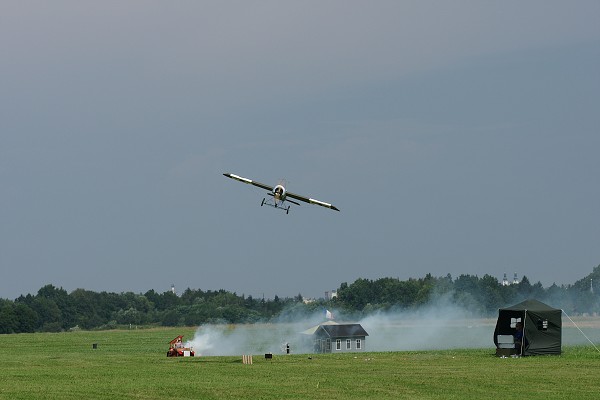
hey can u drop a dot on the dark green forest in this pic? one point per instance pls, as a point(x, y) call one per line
point(53, 309)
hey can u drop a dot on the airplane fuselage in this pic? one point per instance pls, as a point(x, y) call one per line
point(279, 193)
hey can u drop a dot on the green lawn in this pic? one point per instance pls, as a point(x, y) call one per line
point(133, 365)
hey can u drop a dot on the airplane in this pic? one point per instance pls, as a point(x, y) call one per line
point(280, 195)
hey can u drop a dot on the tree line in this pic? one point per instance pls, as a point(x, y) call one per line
point(53, 309)
point(480, 296)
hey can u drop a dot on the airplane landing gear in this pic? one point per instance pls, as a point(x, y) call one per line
point(280, 205)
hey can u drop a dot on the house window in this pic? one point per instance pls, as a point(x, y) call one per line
point(513, 322)
point(328, 344)
point(358, 343)
point(348, 346)
point(338, 344)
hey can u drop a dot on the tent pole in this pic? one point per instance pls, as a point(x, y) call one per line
point(523, 334)
point(581, 331)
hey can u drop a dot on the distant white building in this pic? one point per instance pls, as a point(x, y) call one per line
point(505, 281)
point(330, 295)
point(515, 280)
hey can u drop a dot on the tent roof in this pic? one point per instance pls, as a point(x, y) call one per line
point(530, 305)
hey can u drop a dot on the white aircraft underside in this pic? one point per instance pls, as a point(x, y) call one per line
point(280, 195)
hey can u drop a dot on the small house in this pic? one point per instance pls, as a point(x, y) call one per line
point(339, 338)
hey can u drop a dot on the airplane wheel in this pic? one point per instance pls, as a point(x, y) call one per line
point(263, 202)
point(288, 210)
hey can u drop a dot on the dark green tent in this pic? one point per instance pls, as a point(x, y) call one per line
point(542, 327)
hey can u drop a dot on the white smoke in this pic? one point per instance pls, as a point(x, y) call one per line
point(438, 325)
point(226, 340)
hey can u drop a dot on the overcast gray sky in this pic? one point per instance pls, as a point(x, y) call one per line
point(456, 137)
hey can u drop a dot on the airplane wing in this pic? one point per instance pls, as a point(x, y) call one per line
point(288, 194)
point(311, 201)
point(250, 181)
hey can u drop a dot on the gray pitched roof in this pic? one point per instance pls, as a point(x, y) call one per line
point(311, 331)
point(342, 330)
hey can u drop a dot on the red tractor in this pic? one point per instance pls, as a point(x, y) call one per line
point(177, 349)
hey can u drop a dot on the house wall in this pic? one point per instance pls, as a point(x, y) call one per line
point(326, 345)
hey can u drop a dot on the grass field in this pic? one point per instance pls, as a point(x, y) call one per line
point(132, 364)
